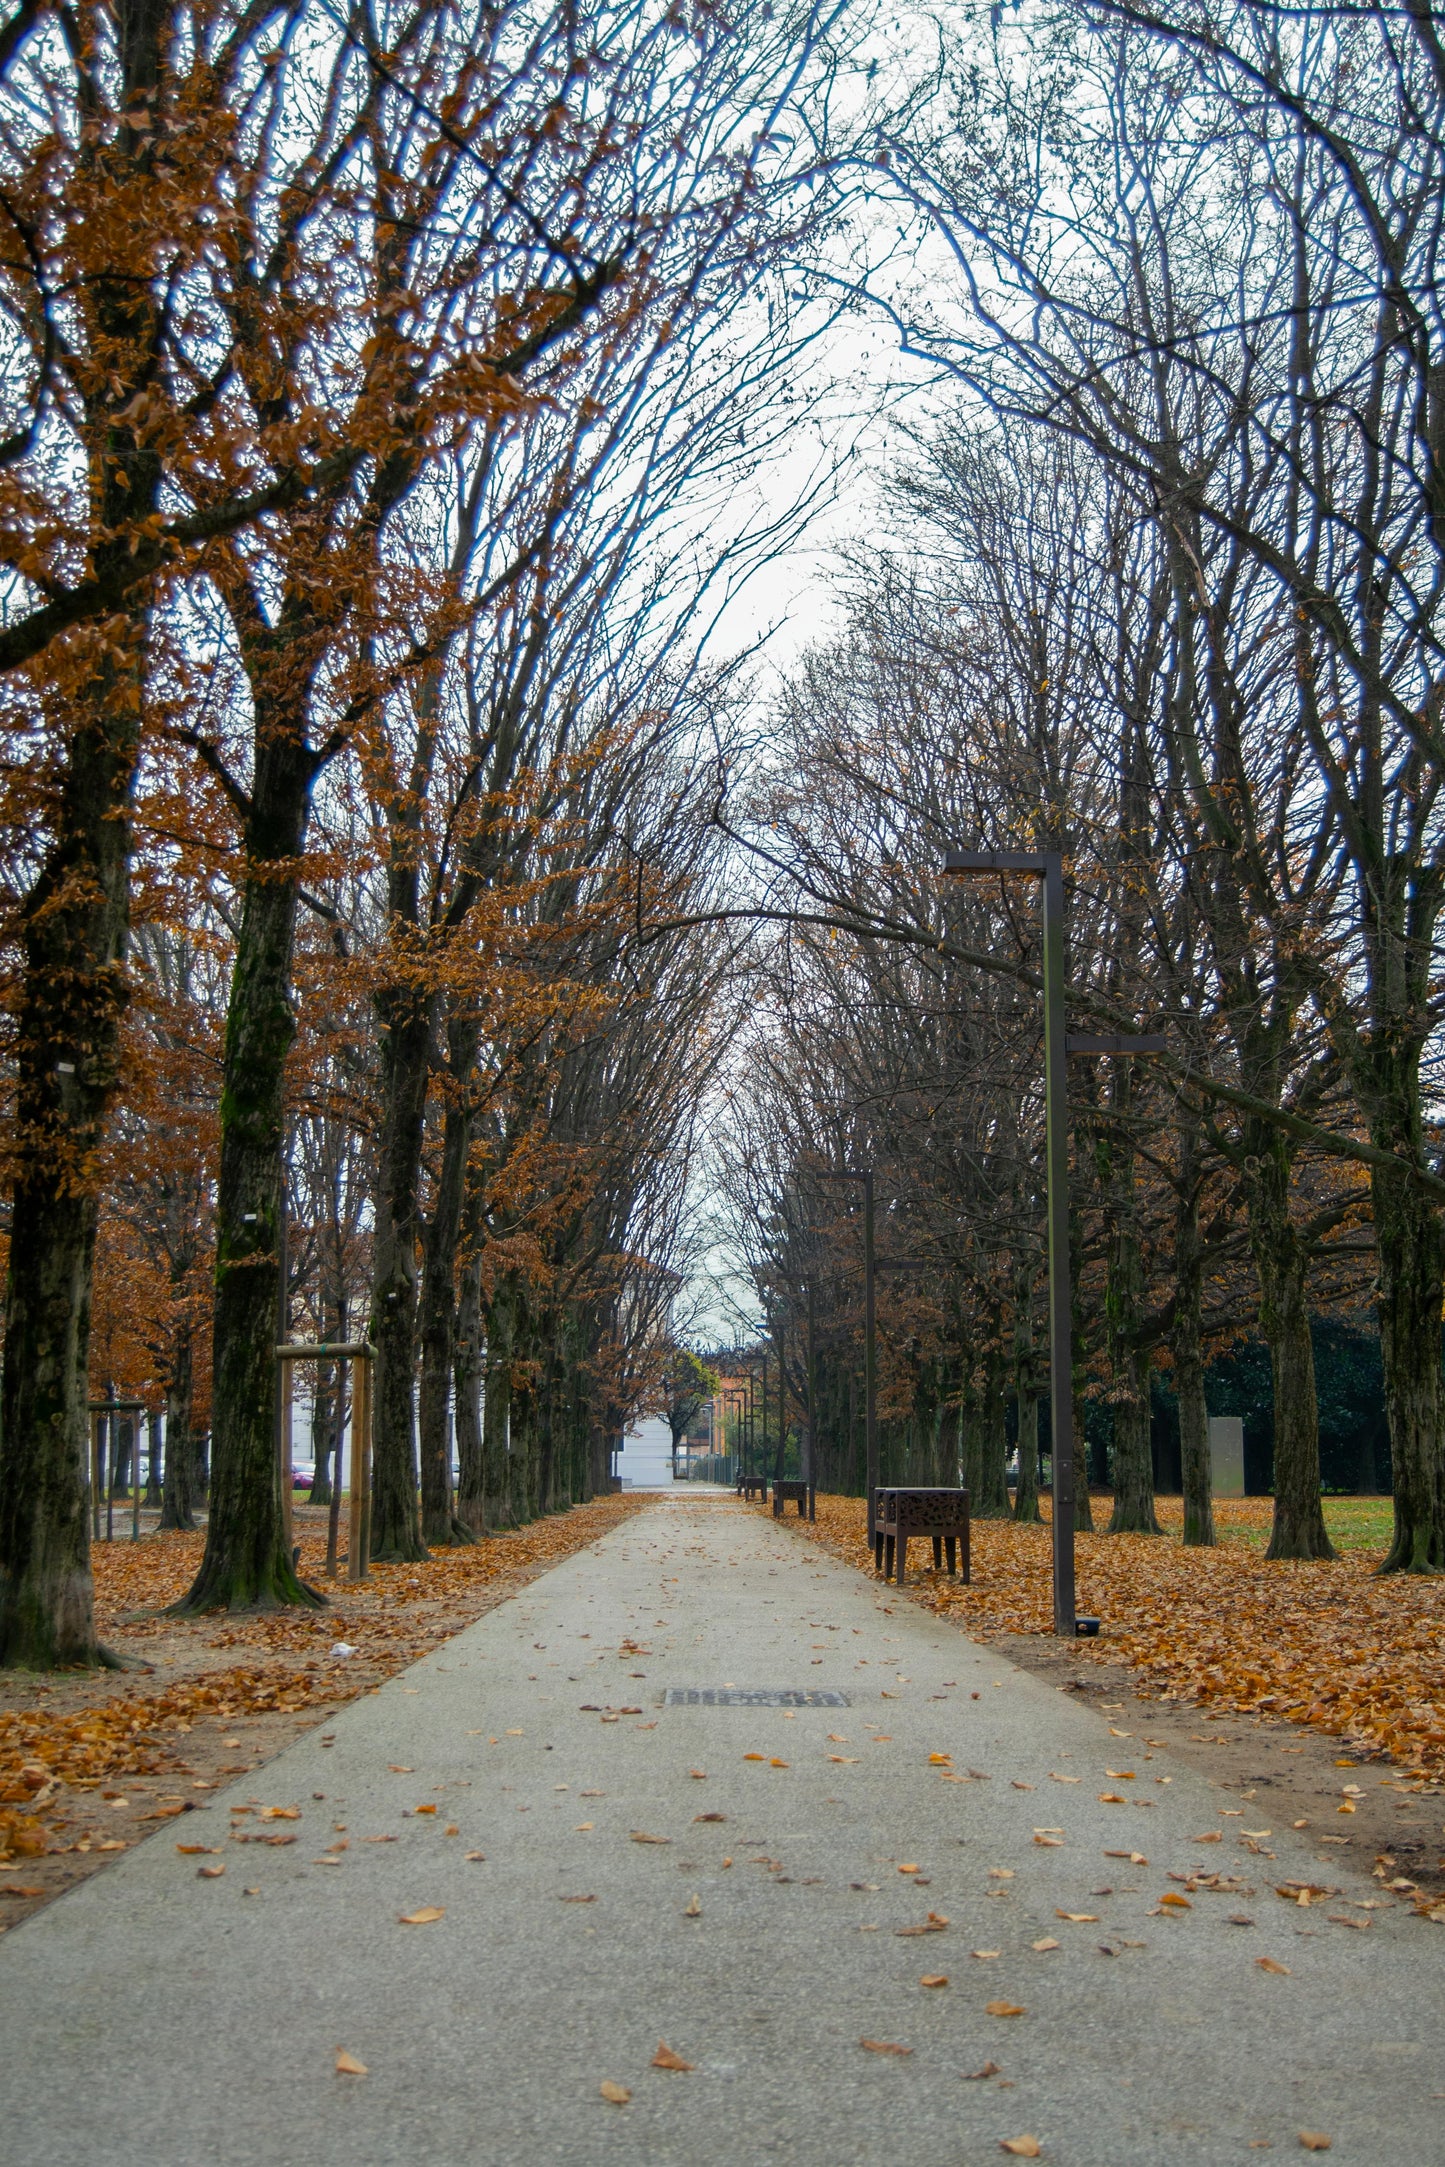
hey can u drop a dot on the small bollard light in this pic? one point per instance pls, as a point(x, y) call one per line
point(1086, 1628)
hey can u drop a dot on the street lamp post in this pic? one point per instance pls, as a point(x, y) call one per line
point(1047, 867)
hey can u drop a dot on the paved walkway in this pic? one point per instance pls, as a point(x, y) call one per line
point(157, 2018)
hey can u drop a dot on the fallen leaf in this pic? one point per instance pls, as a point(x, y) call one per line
point(883, 2046)
point(1000, 1873)
point(1005, 2009)
point(451, 1829)
point(617, 2095)
point(774, 1762)
point(1267, 1963)
point(1048, 1942)
point(1211, 1835)
point(286, 1813)
point(1025, 2147)
point(1017, 1786)
point(755, 1756)
point(986, 1955)
point(693, 1907)
point(1121, 1775)
point(194, 1850)
point(1135, 1858)
point(976, 2076)
point(474, 1857)
point(664, 2058)
point(348, 2066)
point(1082, 1918)
point(933, 1978)
point(425, 1917)
point(423, 1809)
point(210, 1873)
point(698, 1775)
point(1314, 2140)
point(847, 1758)
point(1050, 1843)
point(577, 1899)
point(1112, 1798)
point(1177, 1903)
point(582, 1827)
point(910, 1869)
point(400, 1768)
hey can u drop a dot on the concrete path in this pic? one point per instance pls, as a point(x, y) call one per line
point(157, 2018)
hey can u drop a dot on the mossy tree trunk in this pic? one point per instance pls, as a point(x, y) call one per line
point(246, 1563)
point(1282, 1267)
point(1186, 1345)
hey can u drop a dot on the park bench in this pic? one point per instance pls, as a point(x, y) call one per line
point(802, 1494)
point(939, 1515)
point(751, 1486)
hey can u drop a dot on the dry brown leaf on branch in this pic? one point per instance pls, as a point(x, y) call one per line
point(664, 2058)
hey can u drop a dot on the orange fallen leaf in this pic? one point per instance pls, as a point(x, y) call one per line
point(755, 1756)
point(698, 1775)
point(664, 2058)
point(910, 1869)
point(1176, 1903)
point(1314, 2140)
point(975, 2076)
point(774, 1762)
point(426, 1916)
point(616, 2095)
point(1112, 1798)
point(1005, 2009)
point(1267, 1963)
point(883, 2046)
point(933, 1978)
point(1048, 1942)
point(348, 2066)
point(985, 1955)
point(1079, 1918)
point(1025, 2147)
point(210, 1873)
point(640, 1835)
point(194, 1850)
point(692, 1909)
point(423, 1809)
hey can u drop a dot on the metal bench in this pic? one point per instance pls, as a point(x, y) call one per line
point(802, 1494)
point(939, 1515)
point(751, 1486)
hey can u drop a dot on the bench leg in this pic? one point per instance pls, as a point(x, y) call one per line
point(878, 1549)
point(950, 1548)
point(937, 1553)
point(812, 1503)
point(889, 1544)
point(967, 1561)
point(902, 1557)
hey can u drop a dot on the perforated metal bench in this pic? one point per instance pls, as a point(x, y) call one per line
point(802, 1494)
point(939, 1515)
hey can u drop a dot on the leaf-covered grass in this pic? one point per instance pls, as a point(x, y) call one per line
point(1326, 1644)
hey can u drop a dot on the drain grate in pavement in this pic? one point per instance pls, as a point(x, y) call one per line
point(728, 1696)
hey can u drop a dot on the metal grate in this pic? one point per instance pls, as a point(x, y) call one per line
point(727, 1696)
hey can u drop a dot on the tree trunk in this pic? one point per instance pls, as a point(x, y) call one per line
point(1186, 1345)
point(71, 999)
point(247, 1564)
point(1134, 1512)
point(441, 1523)
point(1408, 1244)
point(467, 1384)
point(991, 1500)
point(1282, 1269)
point(498, 1503)
point(177, 1508)
point(405, 1060)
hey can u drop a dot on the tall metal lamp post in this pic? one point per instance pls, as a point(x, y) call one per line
point(1047, 867)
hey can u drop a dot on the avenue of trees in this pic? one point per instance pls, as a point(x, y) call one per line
point(1164, 594)
point(392, 869)
point(380, 402)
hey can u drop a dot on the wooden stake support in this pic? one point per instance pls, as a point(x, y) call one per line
point(359, 1353)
